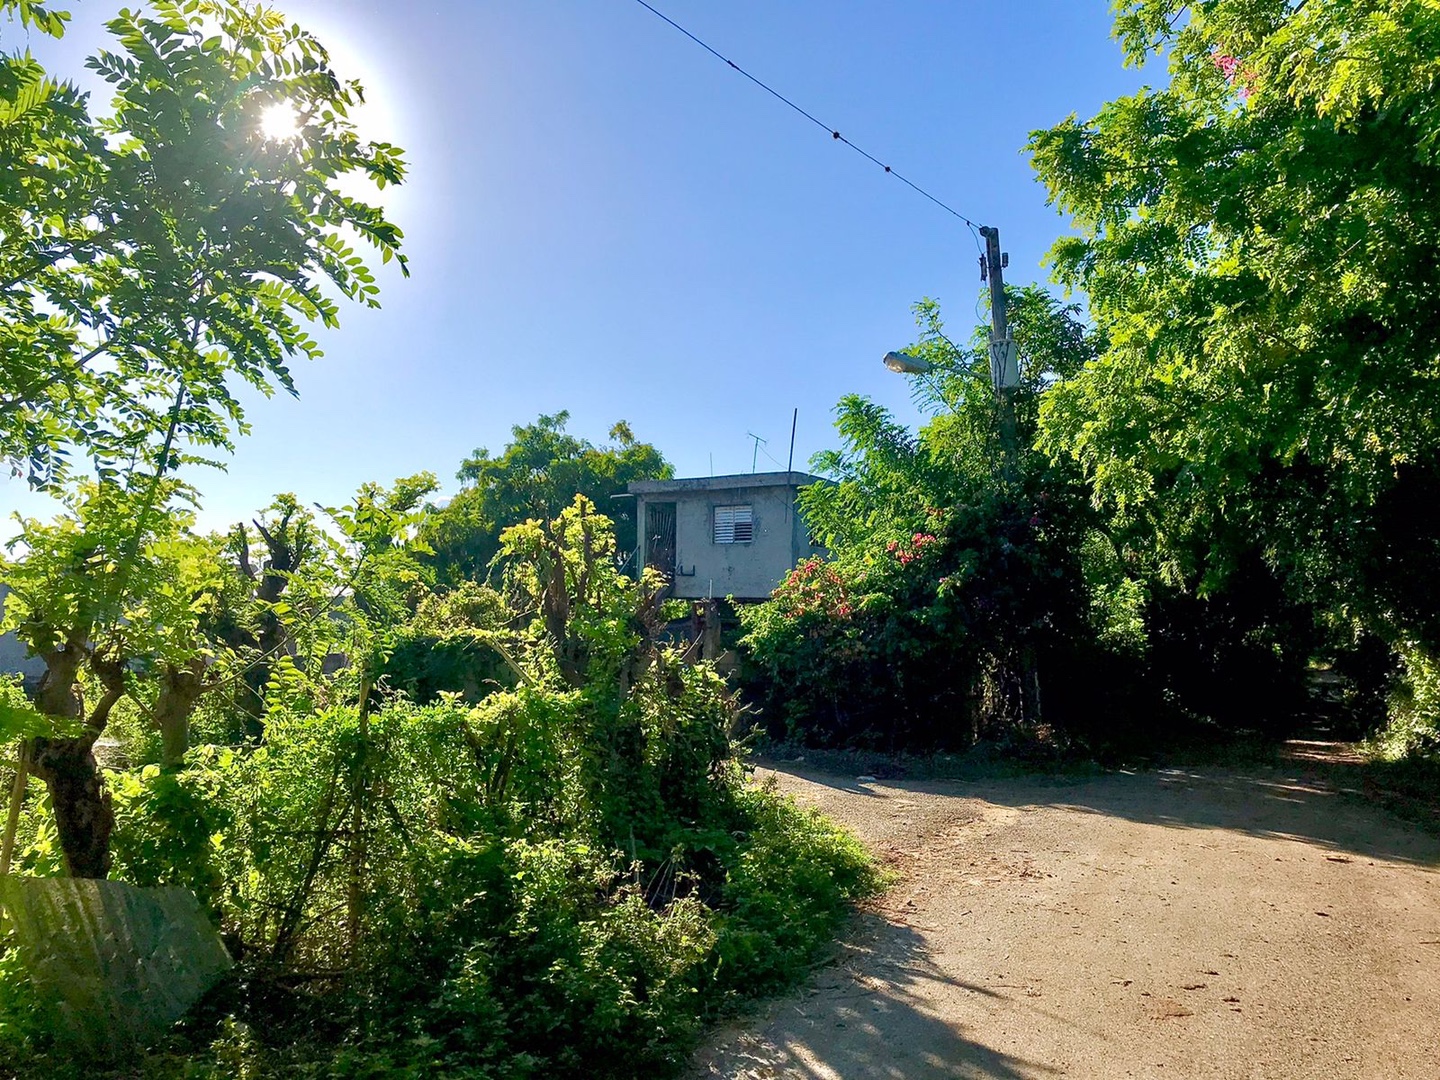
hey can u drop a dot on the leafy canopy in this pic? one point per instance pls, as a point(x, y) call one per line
point(536, 477)
point(150, 255)
point(1259, 243)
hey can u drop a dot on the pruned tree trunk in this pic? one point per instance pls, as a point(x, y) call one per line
point(286, 550)
point(84, 818)
point(180, 691)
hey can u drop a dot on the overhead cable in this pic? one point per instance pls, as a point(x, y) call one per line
point(834, 133)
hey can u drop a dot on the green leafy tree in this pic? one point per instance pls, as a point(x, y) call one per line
point(1259, 242)
point(151, 256)
point(304, 596)
point(946, 583)
point(150, 259)
point(263, 613)
point(538, 475)
point(97, 602)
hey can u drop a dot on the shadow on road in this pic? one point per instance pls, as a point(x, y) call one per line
point(1291, 800)
point(866, 1018)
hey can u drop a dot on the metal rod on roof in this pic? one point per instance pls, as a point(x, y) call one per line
point(755, 457)
point(794, 420)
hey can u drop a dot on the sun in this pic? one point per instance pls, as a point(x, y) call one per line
point(278, 122)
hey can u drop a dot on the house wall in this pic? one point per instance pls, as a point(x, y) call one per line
point(745, 571)
point(12, 651)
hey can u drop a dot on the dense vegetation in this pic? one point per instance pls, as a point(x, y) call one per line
point(454, 805)
point(537, 475)
point(431, 766)
point(564, 879)
point(1236, 442)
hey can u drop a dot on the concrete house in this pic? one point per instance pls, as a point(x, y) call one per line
point(13, 658)
point(722, 535)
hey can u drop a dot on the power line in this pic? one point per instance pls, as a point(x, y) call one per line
point(833, 132)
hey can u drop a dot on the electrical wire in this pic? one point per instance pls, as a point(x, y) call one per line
point(833, 132)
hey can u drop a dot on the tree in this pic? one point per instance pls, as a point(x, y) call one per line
point(149, 257)
point(256, 623)
point(538, 475)
point(98, 604)
point(945, 583)
point(1259, 243)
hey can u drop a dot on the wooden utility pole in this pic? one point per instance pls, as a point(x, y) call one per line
point(1004, 364)
point(1005, 378)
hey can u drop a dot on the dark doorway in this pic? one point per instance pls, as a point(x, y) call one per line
point(660, 537)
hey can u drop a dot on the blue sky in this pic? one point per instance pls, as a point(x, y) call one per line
point(603, 218)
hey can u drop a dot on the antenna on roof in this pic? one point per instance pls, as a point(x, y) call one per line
point(794, 420)
point(755, 457)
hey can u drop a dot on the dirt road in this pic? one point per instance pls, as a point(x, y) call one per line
point(1254, 925)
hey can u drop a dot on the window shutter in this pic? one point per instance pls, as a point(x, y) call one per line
point(734, 525)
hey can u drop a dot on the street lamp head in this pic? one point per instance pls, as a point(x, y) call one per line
point(904, 364)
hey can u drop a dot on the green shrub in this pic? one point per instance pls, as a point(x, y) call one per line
point(567, 878)
point(791, 883)
point(1413, 727)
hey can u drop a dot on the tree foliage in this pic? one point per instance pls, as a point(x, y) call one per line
point(153, 254)
point(539, 473)
point(1258, 241)
point(93, 599)
point(946, 583)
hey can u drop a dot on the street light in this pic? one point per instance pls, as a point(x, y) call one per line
point(902, 363)
point(1004, 365)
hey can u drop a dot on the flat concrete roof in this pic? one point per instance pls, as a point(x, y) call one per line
point(723, 483)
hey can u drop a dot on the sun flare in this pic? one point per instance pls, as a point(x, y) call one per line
point(279, 122)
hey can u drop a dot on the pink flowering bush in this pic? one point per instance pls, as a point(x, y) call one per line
point(890, 643)
point(946, 582)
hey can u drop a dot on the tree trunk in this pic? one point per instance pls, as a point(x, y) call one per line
point(285, 552)
point(180, 691)
point(84, 818)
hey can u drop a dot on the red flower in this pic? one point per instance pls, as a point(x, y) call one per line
point(1229, 66)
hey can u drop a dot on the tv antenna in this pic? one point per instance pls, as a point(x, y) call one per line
point(755, 457)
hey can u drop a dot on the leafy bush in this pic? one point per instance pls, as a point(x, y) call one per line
point(446, 647)
point(974, 592)
point(791, 883)
point(565, 878)
point(898, 641)
point(1413, 730)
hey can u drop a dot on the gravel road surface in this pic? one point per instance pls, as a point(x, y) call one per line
point(1254, 924)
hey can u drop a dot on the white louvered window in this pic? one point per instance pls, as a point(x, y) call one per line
point(734, 525)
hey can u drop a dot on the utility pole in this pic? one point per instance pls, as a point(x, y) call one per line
point(1005, 377)
point(1004, 364)
point(1019, 670)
